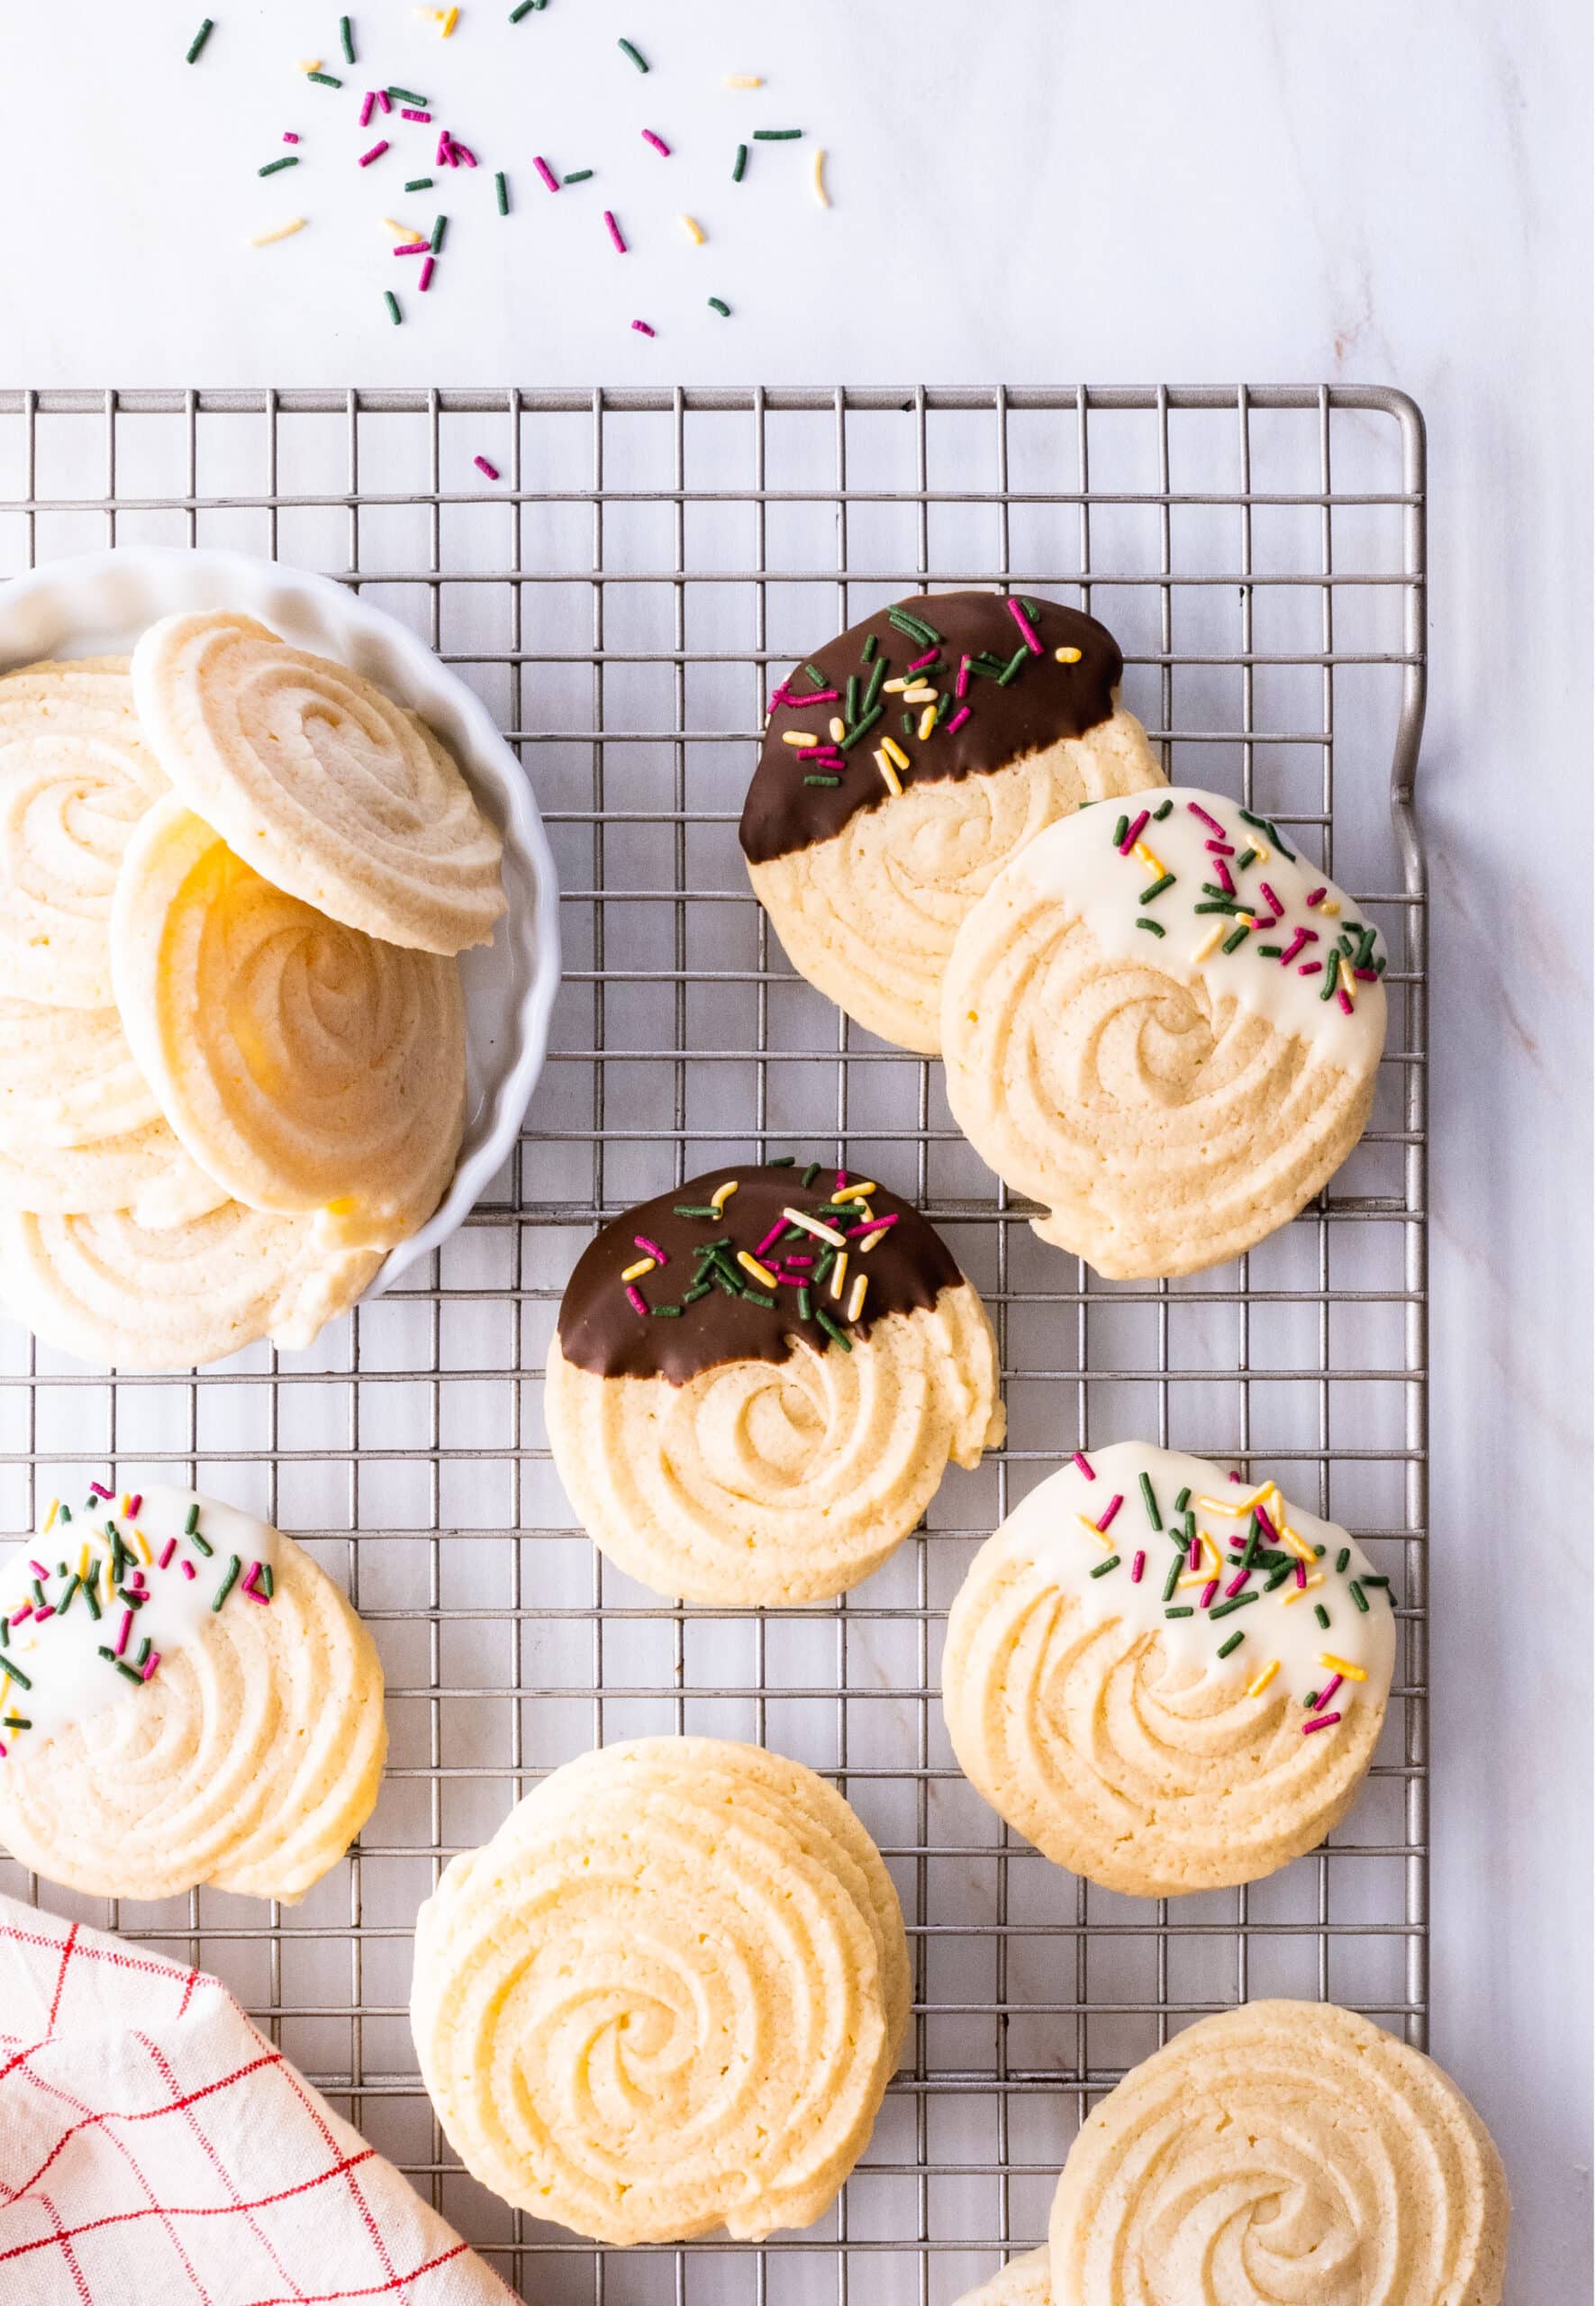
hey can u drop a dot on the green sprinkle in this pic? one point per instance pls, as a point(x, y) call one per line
point(816, 676)
point(267, 1582)
point(1121, 827)
point(191, 1520)
point(18, 1721)
point(1019, 658)
point(1273, 831)
point(878, 674)
point(1157, 889)
point(627, 49)
point(810, 1173)
point(740, 164)
point(199, 39)
point(1311, 1702)
point(1150, 1501)
point(324, 79)
point(578, 175)
point(665, 1313)
point(1270, 952)
point(1184, 1611)
point(131, 1672)
point(1103, 1567)
point(66, 1512)
point(905, 621)
point(64, 1604)
point(1237, 937)
point(439, 226)
point(822, 780)
point(1156, 926)
point(420, 184)
point(719, 305)
point(1318, 1553)
point(392, 302)
point(502, 193)
point(90, 1594)
point(908, 719)
point(1342, 1558)
point(1229, 1609)
point(345, 40)
point(1329, 986)
point(1245, 859)
point(228, 1583)
point(1032, 608)
point(689, 1208)
point(1323, 1614)
point(868, 719)
point(289, 160)
point(803, 1303)
point(1219, 905)
point(699, 1289)
point(407, 96)
point(1160, 813)
point(1370, 1579)
point(524, 9)
point(19, 1677)
point(776, 135)
point(145, 1647)
point(1235, 1642)
point(1359, 1596)
point(831, 1329)
point(945, 704)
point(868, 651)
point(1173, 1579)
point(1278, 1577)
point(850, 698)
point(1183, 1501)
point(758, 1297)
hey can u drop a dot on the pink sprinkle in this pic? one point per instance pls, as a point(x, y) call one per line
point(1275, 907)
point(1299, 938)
point(1317, 896)
point(459, 153)
point(961, 687)
point(376, 153)
point(1271, 1534)
point(186, 1566)
point(1366, 976)
point(444, 156)
point(482, 465)
point(793, 1280)
point(546, 172)
point(1084, 1467)
point(1321, 1721)
point(3, 1753)
point(842, 1179)
point(785, 696)
point(408, 113)
point(151, 1663)
point(614, 228)
point(426, 277)
point(872, 1225)
point(1302, 1576)
point(366, 109)
point(1137, 1566)
point(1194, 1559)
point(659, 143)
point(1114, 1506)
point(1235, 1477)
point(1206, 820)
point(920, 663)
point(650, 1248)
point(167, 1550)
point(48, 1611)
point(1209, 1591)
point(958, 720)
point(1328, 1692)
point(1028, 629)
point(382, 97)
point(413, 247)
point(25, 1612)
point(1226, 882)
point(1309, 968)
point(96, 1491)
point(792, 1258)
point(1221, 848)
point(635, 1298)
point(1134, 832)
point(641, 327)
point(127, 1626)
point(774, 1234)
point(133, 1504)
point(1237, 1583)
point(38, 1569)
point(1341, 997)
point(289, 137)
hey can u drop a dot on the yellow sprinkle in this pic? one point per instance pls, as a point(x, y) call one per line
point(1236, 1506)
point(821, 194)
point(1066, 656)
point(403, 232)
point(50, 1519)
point(723, 1194)
point(1215, 1558)
point(1345, 974)
point(1106, 1542)
point(1214, 937)
point(870, 1239)
point(838, 1272)
point(1198, 1577)
point(894, 753)
point(449, 22)
point(143, 1543)
point(803, 738)
point(928, 722)
point(1341, 1666)
point(812, 1225)
point(837, 728)
point(888, 772)
point(127, 1506)
point(856, 1303)
point(918, 693)
point(893, 688)
point(868, 1186)
point(1260, 1681)
point(278, 232)
point(83, 1560)
point(761, 1273)
point(308, 64)
point(742, 80)
point(1303, 1552)
point(1154, 864)
point(693, 230)
point(1261, 852)
point(1332, 905)
point(636, 1272)
point(1294, 1592)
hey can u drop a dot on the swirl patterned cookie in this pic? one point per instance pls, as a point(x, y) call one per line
point(905, 764)
point(1282, 2152)
point(667, 1995)
point(184, 1697)
point(307, 1067)
point(1164, 1681)
point(319, 781)
point(756, 1382)
point(1164, 1027)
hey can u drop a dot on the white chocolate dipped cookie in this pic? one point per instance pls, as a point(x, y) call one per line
point(319, 781)
point(904, 767)
point(1278, 2154)
point(184, 1697)
point(667, 1997)
point(110, 1290)
point(306, 1066)
point(1164, 1026)
point(757, 1380)
point(80, 1131)
point(1166, 1681)
point(75, 776)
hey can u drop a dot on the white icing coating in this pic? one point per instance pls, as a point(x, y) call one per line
point(1075, 861)
point(71, 1680)
point(1050, 1527)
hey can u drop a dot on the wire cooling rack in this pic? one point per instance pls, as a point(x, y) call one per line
point(649, 563)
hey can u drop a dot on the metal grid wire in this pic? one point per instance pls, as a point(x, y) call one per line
point(648, 566)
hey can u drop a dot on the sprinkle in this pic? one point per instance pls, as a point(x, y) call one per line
point(1137, 1566)
point(740, 164)
point(425, 280)
point(636, 1272)
point(761, 1273)
point(449, 23)
point(281, 232)
point(324, 79)
point(523, 8)
point(1089, 1526)
point(817, 178)
point(376, 153)
point(1011, 668)
point(1156, 926)
point(367, 107)
point(1237, 1583)
point(199, 39)
point(614, 228)
point(889, 773)
point(928, 722)
point(1316, 896)
point(802, 738)
point(634, 1298)
point(1321, 1721)
point(482, 465)
point(1235, 1642)
point(1174, 1578)
point(813, 1225)
point(776, 135)
point(1182, 1610)
point(501, 193)
point(1209, 1591)
point(1359, 1596)
point(1302, 1586)
point(167, 1550)
point(838, 1272)
point(1157, 889)
point(627, 49)
point(659, 143)
point(1103, 1567)
point(856, 1303)
point(186, 1567)
point(392, 302)
point(127, 1626)
point(546, 172)
point(1321, 1698)
point(1213, 938)
point(405, 95)
point(1370, 1579)
point(723, 1194)
point(289, 160)
point(725, 312)
point(1066, 656)
point(1261, 1682)
point(1341, 1666)
point(1227, 1608)
point(1031, 642)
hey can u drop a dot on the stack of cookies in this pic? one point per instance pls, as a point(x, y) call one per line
point(232, 1050)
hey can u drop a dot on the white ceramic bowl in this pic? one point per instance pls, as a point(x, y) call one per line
point(97, 603)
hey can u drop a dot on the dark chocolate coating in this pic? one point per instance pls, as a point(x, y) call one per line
point(600, 1329)
point(1044, 702)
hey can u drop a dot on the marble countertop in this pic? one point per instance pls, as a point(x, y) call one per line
point(1042, 194)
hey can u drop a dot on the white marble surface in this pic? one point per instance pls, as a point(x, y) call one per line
point(1040, 193)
